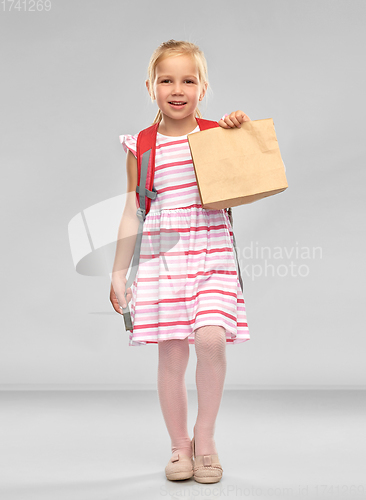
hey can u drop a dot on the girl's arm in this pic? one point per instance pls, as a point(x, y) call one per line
point(126, 239)
point(234, 119)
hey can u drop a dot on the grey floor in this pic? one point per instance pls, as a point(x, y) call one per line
point(114, 445)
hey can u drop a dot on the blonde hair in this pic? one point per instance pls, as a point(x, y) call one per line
point(176, 48)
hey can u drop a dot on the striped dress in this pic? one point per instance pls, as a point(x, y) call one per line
point(187, 275)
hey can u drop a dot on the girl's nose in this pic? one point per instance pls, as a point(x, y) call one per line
point(177, 89)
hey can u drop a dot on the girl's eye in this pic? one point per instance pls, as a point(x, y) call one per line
point(167, 80)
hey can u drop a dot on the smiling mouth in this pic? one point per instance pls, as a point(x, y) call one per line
point(177, 103)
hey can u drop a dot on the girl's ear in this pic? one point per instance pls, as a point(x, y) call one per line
point(203, 91)
point(148, 89)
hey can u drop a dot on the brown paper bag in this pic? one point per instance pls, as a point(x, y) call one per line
point(237, 166)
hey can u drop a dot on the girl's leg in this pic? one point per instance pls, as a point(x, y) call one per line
point(173, 361)
point(210, 344)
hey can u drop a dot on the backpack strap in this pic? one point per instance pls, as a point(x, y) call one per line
point(229, 212)
point(146, 147)
point(145, 192)
point(206, 124)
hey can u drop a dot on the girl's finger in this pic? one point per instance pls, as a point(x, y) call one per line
point(242, 116)
point(115, 304)
point(223, 124)
point(117, 307)
point(229, 122)
point(235, 120)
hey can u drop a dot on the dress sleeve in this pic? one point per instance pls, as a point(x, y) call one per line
point(129, 143)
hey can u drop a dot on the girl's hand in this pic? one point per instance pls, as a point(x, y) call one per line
point(234, 119)
point(118, 297)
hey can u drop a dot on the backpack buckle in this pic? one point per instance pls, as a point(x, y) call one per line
point(141, 214)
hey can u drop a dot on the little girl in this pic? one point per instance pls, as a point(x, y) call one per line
point(187, 289)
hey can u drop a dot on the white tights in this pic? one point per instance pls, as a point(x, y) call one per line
point(210, 345)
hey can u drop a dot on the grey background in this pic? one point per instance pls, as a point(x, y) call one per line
point(73, 80)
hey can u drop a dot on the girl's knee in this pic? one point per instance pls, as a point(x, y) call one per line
point(210, 336)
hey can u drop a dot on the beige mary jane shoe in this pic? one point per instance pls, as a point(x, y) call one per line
point(179, 467)
point(207, 468)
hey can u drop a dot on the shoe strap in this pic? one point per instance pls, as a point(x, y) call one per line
point(207, 460)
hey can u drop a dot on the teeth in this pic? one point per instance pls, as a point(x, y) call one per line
point(175, 102)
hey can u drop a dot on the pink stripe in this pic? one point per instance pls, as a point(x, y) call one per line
point(188, 252)
point(173, 164)
point(175, 309)
point(219, 292)
point(186, 303)
point(211, 258)
point(178, 186)
point(170, 143)
point(184, 237)
point(193, 228)
point(158, 214)
point(186, 276)
point(161, 173)
point(181, 196)
point(188, 322)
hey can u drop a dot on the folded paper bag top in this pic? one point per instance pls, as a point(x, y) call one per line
point(237, 166)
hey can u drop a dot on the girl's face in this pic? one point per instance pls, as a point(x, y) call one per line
point(177, 81)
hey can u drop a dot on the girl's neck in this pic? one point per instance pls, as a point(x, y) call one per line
point(176, 128)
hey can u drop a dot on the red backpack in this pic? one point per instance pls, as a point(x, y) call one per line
point(145, 192)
